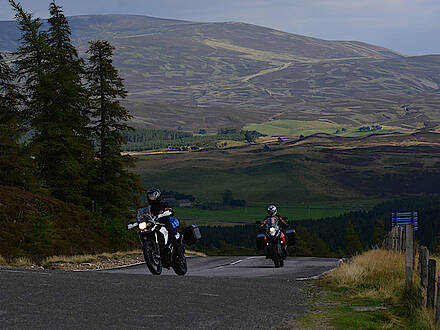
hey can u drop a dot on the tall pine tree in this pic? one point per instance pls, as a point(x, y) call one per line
point(352, 242)
point(116, 189)
point(31, 59)
point(58, 105)
point(15, 164)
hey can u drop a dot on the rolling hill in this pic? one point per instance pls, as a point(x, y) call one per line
point(196, 75)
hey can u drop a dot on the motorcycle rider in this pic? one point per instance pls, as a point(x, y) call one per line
point(163, 213)
point(272, 213)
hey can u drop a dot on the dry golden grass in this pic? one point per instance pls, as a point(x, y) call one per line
point(22, 262)
point(88, 258)
point(378, 272)
point(3, 261)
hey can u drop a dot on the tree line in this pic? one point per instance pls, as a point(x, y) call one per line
point(69, 109)
point(340, 236)
point(147, 139)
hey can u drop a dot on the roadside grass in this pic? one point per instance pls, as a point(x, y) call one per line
point(21, 262)
point(368, 292)
point(2, 261)
point(90, 261)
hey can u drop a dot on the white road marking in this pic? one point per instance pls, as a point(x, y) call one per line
point(340, 261)
point(154, 315)
point(235, 262)
point(117, 267)
point(209, 294)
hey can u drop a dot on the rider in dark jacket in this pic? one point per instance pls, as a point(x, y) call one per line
point(163, 213)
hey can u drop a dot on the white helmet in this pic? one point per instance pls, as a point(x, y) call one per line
point(272, 210)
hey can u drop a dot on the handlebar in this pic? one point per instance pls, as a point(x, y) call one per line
point(135, 224)
point(132, 225)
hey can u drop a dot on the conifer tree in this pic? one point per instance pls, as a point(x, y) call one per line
point(31, 59)
point(15, 164)
point(116, 188)
point(58, 104)
point(352, 242)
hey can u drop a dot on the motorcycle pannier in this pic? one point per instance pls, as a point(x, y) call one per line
point(191, 235)
point(291, 238)
point(260, 241)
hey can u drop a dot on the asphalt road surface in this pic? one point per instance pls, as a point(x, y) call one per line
point(217, 293)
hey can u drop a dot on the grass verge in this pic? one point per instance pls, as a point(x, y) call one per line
point(367, 293)
point(86, 261)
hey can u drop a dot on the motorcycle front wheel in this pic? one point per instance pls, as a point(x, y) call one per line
point(179, 263)
point(276, 256)
point(152, 258)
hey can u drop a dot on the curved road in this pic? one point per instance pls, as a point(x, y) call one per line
point(217, 293)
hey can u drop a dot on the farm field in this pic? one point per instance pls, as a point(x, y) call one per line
point(318, 169)
point(305, 128)
point(254, 213)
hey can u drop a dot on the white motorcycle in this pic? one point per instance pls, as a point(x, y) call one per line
point(156, 244)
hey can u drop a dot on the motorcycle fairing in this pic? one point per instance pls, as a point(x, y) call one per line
point(164, 232)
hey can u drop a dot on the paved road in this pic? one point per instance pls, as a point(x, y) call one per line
point(218, 293)
point(245, 267)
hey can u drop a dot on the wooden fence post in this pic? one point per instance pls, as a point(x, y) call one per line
point(432, 267)
point(437, 307)
point(409, 250)
point(423, 261)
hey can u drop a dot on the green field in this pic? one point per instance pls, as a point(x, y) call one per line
point(253, 213)
point(329, 180)
point(305, 128)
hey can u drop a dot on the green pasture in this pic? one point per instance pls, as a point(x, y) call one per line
point(305, 128)
point(253, 213)
point(275, 181)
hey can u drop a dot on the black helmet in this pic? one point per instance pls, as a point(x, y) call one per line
point(272, 210)
point(153, 195)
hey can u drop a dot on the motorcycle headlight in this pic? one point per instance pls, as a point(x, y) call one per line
point(272, 231)
point(143, 226)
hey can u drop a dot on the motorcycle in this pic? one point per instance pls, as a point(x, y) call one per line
point(156, 246)
point(274, 241)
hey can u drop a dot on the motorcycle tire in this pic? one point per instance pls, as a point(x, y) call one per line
point(275, 256)
point(152, 260)
point(281, 262)
point(179, 263)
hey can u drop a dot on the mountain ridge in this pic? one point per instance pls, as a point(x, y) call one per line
point(206, 75)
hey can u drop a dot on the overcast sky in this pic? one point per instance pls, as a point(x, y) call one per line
point(408, 26)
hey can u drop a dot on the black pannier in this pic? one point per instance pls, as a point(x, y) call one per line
point(260, 241)
point(291, 237)
point(191, 235)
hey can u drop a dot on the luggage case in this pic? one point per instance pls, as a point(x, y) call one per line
point(191, 235)
point(291, 237)
point(260, 241)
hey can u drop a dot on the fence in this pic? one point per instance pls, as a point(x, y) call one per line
point(401, 238)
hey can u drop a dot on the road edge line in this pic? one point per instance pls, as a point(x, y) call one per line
point(340, 262)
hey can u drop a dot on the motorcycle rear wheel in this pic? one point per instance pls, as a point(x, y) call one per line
point(152, 260)
point(179, 263)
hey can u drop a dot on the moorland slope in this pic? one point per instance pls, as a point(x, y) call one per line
point(196, 75)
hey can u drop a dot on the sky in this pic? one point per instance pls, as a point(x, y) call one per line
point(408, 26)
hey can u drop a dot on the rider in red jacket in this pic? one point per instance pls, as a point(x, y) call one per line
point(274, 217)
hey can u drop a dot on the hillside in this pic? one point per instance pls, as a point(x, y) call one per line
point(209, 75)
point(36, 226)
point(319, 168)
